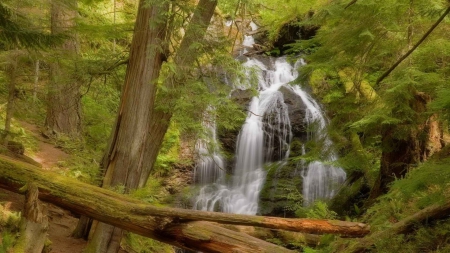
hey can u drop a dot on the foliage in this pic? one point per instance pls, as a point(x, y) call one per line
point(150, 192)
point(20, 134)
point(16, 32)
point(277, 13)
point(83, 166)
point(99, 110)
point(319, 210)
point(9, 227)
point(424, 186)
point(169, 152)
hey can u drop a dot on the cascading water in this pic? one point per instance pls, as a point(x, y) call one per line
point(320, 180)
point(265, 137)
point(267, 117)
point(210, 167)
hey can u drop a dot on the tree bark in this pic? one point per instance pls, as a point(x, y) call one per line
point(34, 223)
point(36, 80)
point(83, 227)
point(63, 96)
point(11, 74)
point(133, 144)
point(140, 127)
point(170, 225)
point(400, 154)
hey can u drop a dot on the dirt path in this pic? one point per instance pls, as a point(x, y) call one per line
point(61, 222)
point(47, 154)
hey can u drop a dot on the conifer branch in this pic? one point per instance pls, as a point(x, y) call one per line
point(385, 74)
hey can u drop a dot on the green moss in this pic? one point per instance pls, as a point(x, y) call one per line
point(280, 195)
point(142, 244)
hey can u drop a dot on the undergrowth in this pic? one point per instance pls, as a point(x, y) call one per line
point(424, 186)
point(9, 227)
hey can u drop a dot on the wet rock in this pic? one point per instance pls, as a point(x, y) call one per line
point(242, 97)
point(297, 110)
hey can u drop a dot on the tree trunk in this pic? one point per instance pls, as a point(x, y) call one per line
point(63, 96)
point(400, 154)
point(36, 81)
point(12, 76)
point(34, 223)
point(140, 127)
point(83, 227)
point(170, 225)
point(134, 144)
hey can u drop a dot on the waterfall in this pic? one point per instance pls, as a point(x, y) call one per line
point(265, 131)
point(320, 180)
point(264, 137)
point(210, 165)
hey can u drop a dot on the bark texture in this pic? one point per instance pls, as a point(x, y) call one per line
point(171, 225)
point(63, 95)
point(34, 223)
point(140, 127)
point(134, 144)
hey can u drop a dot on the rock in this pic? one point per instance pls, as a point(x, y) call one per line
point(291, 32)
point(297, 111)
point(242, 97)
point(280, 195)
point(228, 138)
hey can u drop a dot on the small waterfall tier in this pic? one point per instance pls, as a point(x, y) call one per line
point(265, 137)
point(320, 180)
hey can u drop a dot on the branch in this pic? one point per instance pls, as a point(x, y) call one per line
point(385, 74)
point(254, 113)
point(350, 4)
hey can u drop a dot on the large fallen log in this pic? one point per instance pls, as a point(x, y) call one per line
point(161, 223)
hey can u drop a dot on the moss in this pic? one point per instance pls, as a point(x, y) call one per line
point(142, 244)
point(280, 194)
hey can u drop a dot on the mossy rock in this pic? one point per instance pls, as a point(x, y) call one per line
point(281, 191)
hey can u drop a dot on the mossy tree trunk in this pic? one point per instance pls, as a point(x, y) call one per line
point(63, 95)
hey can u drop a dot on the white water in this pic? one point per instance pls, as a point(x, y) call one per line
point(320, 180)
point(266, 129)
point(210, 166)
point(256, 142)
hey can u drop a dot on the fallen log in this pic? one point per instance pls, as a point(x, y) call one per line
point(160, 223)
point(285, 237)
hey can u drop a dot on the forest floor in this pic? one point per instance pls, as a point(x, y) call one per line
point(61, 222)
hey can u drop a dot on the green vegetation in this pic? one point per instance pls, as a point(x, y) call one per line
point(388, 127)
point(9, 227)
